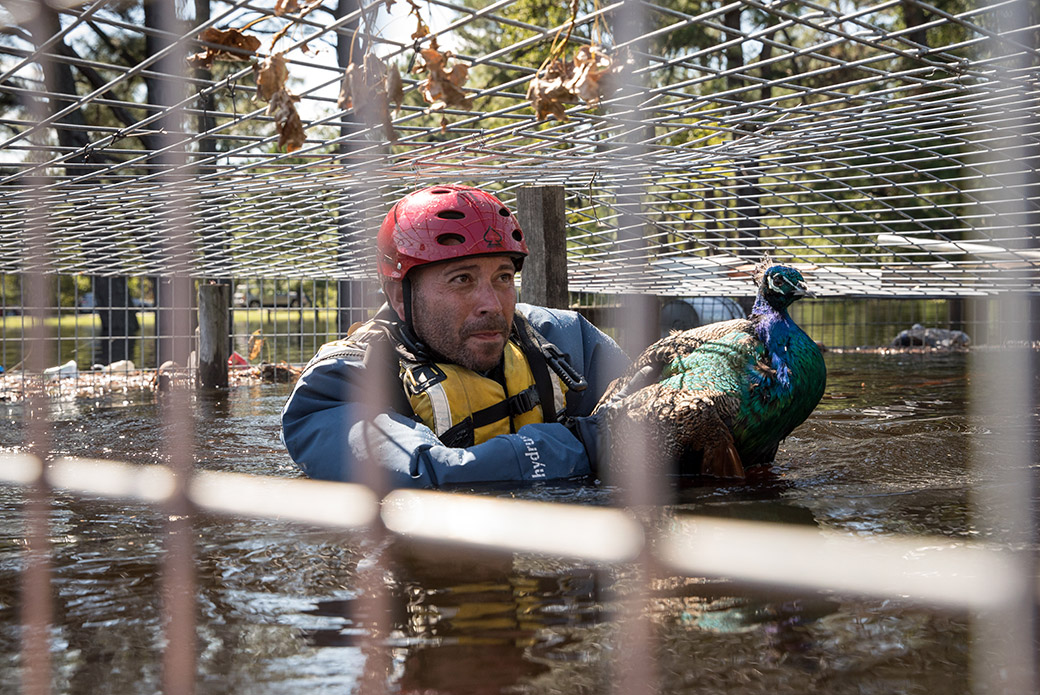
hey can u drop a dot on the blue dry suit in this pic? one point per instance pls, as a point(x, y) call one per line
point(324, 429)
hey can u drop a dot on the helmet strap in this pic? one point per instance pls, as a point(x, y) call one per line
point(408, 329)
point(406, 296)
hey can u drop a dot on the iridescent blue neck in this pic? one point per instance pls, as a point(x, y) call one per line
point(774, 328)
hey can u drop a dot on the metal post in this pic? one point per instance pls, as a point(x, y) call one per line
point(1004, 643)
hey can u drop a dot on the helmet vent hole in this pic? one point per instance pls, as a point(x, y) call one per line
point(504, 212)
point(451, 214)
point(518, 235)
point(440, 191)
point(451, 239)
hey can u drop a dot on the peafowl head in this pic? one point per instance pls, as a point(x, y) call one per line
point(779, 285)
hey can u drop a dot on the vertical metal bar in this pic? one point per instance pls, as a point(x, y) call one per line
point(178, 580)
point(1004, 648)
point(359, 211)
point(36, 615)
point(36, 577)
point(633, 667)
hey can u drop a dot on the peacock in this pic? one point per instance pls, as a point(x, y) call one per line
point(721, 397)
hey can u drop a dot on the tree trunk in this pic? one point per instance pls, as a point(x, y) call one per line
point(118, 323)
point(352, 295)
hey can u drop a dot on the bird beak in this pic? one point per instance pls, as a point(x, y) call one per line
point(804, 291)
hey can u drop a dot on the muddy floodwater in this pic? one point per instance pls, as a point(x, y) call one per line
point(281, 610)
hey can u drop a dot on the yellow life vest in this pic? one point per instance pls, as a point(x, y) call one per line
point(454, 401)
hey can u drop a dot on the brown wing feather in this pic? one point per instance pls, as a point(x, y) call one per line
point(670, 425)
point(677, 344)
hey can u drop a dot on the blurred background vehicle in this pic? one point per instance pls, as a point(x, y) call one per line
point(87, 303)
point(254, 298)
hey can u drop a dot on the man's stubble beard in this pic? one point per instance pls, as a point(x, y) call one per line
point(443, 339)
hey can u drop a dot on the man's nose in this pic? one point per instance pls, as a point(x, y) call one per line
point(488, 301)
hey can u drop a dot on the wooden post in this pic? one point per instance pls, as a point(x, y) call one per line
point(214, 301)
point(543, 218)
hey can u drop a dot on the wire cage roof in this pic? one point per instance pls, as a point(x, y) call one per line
point(887, 148)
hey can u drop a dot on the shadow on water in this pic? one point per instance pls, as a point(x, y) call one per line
point(279, 606)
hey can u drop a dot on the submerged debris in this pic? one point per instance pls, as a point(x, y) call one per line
point(918, 336)
point(281, 373)
point(17, 385)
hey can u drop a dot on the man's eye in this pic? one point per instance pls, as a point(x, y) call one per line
point(459, 279)
point(506, 277)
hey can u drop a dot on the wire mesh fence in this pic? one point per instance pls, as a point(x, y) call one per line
point(859, 141)
point(888, 150)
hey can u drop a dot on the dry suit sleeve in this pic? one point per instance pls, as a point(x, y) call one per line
point(326, 433)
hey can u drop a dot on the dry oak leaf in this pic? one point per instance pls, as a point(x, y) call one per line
point(282, 7)
point(442, 87)
point(282, 109)
point(233, 45)
point(548, 91)
point(395, 88)
point(271, 77)
point(593, 70)
point(589, 77)
point(365, 89)
point(285, 6)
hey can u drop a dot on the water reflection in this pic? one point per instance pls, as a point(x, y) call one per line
point(279, 606)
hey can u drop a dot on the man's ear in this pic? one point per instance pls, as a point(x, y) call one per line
point(394, 292)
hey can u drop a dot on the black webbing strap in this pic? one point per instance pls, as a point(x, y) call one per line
point(515, 405)
point(462, 434)
point(539, 367)
point(541, 354)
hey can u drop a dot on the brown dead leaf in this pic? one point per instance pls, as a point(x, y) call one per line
point(593, 73)
point(271, 77)
point(589, 78)
point(283, 7)
point(421, 30)
point(256, 344)
point(365, 89)
point(443, 85)
point(345, 100)
point(282, 109)
point(230, 44)
point(395, 87)
point(548, 92)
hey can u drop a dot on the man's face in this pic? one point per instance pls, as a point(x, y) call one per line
point(463, 309)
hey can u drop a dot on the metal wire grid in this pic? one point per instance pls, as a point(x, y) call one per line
point(1013, 594)
point(837, 141)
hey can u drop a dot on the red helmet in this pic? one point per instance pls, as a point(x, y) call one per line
point(445, 222)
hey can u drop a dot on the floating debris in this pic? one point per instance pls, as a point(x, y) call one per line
point(918, 336)
point(117, 379)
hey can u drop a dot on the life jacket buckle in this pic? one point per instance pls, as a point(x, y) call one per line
point(522, 402)
point(420, 377)
point(574, 380)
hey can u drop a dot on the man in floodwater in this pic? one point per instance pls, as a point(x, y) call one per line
point(469, 386)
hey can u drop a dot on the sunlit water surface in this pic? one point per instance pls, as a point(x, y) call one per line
point(280, 609)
